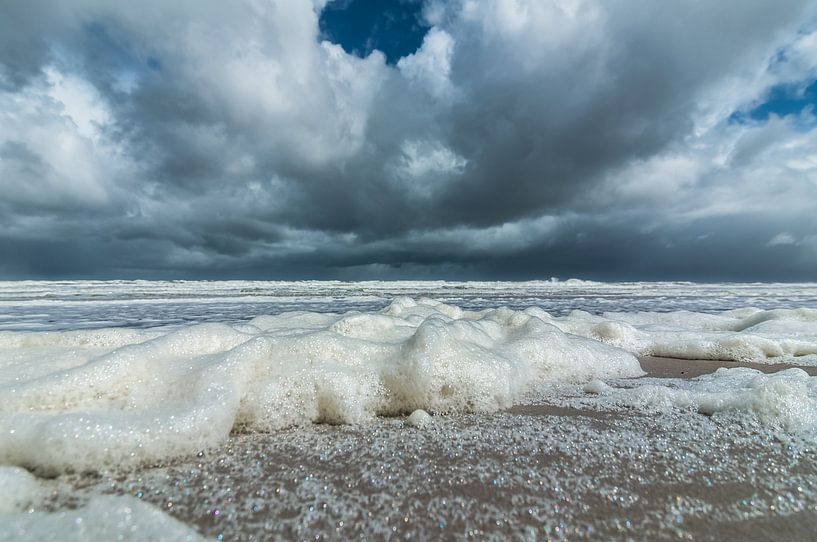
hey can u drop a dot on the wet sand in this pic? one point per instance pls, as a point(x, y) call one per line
point(505, 475)
point(690, 368)
point(536, 471)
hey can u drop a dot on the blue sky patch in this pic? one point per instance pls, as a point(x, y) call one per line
point(395, 27)
point(782, 100)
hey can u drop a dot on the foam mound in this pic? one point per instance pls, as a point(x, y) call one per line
point(750, 335)
point(87, 399)
point(103, 518)
point(786, 400)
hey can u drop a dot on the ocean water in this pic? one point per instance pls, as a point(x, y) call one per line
point(250, 410)
point(65, 305)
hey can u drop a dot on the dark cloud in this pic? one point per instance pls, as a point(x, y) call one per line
point(522, 139)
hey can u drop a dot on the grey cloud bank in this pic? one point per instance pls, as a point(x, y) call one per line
point(524, 139)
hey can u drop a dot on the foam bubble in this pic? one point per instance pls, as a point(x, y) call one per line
point(596, 386)
point(419, 418)
point(176, 392)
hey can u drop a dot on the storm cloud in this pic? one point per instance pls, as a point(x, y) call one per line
point(522, 139)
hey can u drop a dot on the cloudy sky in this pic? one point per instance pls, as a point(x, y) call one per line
point(355, 139)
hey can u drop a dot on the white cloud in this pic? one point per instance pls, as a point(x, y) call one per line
point(430, 66)
point(80, 102)
point(53, 154)
point(786, 61)
point(425, 166)
point(782, 239)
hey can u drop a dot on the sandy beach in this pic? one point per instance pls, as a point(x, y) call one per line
point(553, 470)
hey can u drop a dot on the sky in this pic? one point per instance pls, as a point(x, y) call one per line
point(400, 139)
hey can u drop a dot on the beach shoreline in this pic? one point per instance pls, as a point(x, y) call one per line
point(526, 472)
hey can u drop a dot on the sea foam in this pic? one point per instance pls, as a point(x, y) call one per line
point(102, 518)
point(752, 335)
point(87, 399)
point(786, 400)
